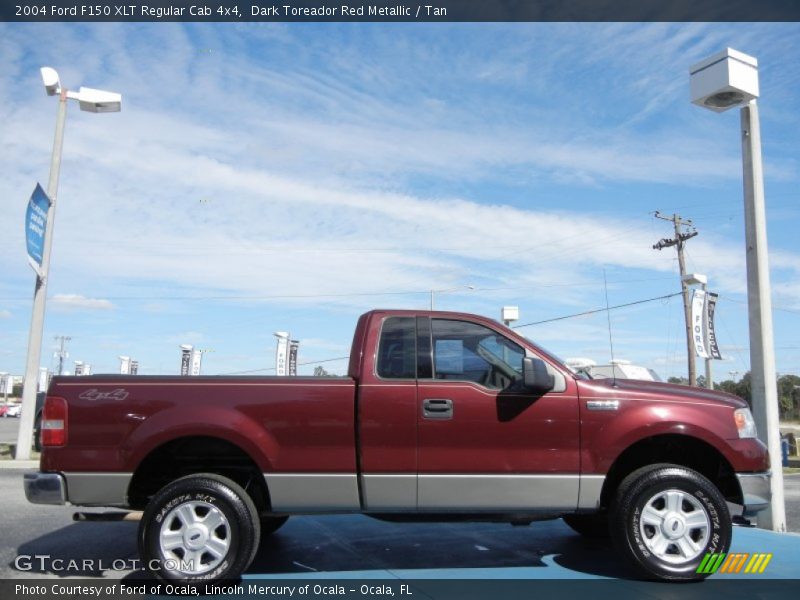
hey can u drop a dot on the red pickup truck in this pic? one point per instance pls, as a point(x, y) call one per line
point(441, 415)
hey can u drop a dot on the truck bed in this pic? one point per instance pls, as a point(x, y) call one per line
point(285, 423)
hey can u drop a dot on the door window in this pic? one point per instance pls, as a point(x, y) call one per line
point(465, 351)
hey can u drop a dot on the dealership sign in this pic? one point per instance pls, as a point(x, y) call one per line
point(36, 227)
point(281, 353)
point(704, 336)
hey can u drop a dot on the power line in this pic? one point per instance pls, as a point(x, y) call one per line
point(787, 310)
point(597, 310)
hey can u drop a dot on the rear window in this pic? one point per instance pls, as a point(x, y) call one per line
point(398, 348)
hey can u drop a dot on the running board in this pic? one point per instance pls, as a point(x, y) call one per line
point(107, 516)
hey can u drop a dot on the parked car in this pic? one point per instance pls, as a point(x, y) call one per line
point(13, 409)
point(3, 410)
point(619, 369)
point(624, 370)
point(442, 415)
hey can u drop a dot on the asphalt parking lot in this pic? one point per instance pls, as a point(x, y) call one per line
point(350, 546)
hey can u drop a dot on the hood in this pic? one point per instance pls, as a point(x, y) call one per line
point(655, 390)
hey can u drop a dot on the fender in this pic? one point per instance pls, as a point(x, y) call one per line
point(605, 436)
point(218, 422)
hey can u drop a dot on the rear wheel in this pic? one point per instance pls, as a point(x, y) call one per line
point(668, 518)
point(199, 527)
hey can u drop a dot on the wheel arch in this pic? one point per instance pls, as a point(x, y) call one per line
point(191, 454)
point(683, 450)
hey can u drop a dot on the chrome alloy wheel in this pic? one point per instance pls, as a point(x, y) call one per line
point(674, 526)
point(194, 538)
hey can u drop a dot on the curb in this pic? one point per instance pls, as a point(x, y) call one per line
point(19, 464)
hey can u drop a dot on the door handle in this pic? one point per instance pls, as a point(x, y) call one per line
point(437, 408)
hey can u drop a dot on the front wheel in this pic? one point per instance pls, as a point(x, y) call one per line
point(668, 518)
point(199, 527)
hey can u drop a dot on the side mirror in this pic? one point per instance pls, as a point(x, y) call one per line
point(535, 375)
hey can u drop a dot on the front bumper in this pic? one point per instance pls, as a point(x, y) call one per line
point(756, 492)
point(45, 488)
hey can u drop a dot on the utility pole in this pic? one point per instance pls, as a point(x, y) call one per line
point(62, 353)
point(679, 241)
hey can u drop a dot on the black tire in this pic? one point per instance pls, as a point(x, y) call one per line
point(591, 526)
point(270, 524)
point(666, 519)
point(210, 524)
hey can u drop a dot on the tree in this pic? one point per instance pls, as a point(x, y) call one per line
point(788, 392)
point(320, 371)
point(729, 385)
point(744, 389)
point(789, 397)
point(739, 388)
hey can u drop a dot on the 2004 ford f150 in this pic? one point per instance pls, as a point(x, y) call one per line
point(442, 415)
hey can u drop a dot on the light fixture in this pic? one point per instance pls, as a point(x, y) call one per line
point(723, 81)
point(52, 85)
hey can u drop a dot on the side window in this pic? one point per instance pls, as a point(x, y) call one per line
point(397, 350)
point(467, 351)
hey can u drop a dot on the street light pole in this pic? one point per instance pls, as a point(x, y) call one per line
point(90, 100)
point(721, 82)
point(762, 344)
point(27, 416)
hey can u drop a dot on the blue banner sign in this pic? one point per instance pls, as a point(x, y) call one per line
point(36, 226)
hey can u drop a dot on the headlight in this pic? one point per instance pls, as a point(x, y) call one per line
point(745, 423)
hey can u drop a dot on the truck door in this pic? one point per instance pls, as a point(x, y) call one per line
point(485, 442)
point(387, 416)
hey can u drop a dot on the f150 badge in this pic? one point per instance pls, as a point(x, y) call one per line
point(93, 394)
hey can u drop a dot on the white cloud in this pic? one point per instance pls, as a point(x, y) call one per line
point(5, 314)
point(78, 302)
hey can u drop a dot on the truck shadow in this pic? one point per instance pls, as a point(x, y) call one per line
point(357, 543)
point(79, 550)
point(345, 543)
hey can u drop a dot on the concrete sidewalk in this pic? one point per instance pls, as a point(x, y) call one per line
point(20, 464)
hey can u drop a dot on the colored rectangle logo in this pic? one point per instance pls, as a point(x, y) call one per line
point(734, 563)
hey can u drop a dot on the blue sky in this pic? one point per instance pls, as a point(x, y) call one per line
point(266, 177)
